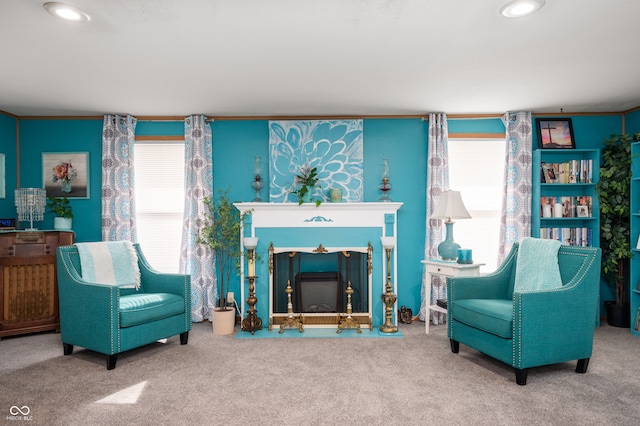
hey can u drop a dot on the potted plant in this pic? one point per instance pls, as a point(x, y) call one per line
point(613, 192)
point(307, 180)
point(221, 233)
point(63, 211)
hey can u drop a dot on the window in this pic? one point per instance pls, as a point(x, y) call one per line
point(159, 169)
point(476, 169)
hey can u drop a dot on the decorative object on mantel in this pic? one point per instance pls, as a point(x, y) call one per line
point(450, 207)
point(307, 180)
point(252, 322)
point(63, 211)
point(30, 205)
point(388, 297)
point(221, 232)
point(257, 184)
point(385, 186)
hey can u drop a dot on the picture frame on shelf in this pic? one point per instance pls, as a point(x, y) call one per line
point(548, 173)
point(582, 211)
point(555, 133)
point(66, 174)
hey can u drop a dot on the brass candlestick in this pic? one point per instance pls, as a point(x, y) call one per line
point(291, 320)
point(349, 321)
point(252, 322)
point(389, 298)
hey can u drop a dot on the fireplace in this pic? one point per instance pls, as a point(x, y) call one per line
point(326, 253)
point(318, 293)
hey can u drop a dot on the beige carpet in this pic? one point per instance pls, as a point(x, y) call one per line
point(410, 380)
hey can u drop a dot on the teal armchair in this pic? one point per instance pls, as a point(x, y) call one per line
point(529, 328)
point(109, 319)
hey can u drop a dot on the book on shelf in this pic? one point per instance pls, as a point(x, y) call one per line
point(582, 237)
point(578, 206)
point(442, 303)
point(573, 171)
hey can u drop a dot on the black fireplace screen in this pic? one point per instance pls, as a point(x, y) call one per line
point(319, 281)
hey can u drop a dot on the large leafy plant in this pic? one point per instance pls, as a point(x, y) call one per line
point(221, 233)
point(613, 191)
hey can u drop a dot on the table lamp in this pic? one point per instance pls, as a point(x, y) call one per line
point(450, 207)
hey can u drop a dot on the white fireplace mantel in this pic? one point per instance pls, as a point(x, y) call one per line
point(337, 226)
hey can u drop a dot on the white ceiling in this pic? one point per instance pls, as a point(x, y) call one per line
point(318, 57)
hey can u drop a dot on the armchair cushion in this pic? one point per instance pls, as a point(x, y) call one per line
point(537, 265)
point(147, 307)
point(494, 316)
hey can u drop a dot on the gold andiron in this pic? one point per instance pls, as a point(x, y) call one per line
point(349, 321)
point(389, 298)
point(292, 320)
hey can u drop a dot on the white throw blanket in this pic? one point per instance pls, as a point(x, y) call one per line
point(110, 262)
point(537, 265)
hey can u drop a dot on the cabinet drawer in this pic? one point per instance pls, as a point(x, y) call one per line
point(447, 271)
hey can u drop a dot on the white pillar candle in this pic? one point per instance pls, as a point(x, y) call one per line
point(557, 210)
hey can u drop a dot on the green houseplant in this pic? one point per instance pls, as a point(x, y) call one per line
point(221, 233)
point(307, 180)
point(61, 207)
point(613, 192)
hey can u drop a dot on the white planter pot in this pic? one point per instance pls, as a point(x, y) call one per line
point(62, 223)
point(223, 321)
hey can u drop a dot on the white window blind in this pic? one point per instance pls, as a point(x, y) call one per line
point(159, 174)
point(476, 169)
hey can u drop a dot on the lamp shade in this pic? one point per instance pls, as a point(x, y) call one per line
point(388, 242)
point(450, 207)
point(251, 242)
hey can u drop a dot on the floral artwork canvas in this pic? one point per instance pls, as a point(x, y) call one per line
point(65, 174)
point(333, 147)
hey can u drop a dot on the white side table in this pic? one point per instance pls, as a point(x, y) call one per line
point(446, 269)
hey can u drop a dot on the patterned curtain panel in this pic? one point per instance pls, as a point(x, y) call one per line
point(195, 259)
point(437, 182)
point(118, 179)
point(515, 222)
point(335, 147)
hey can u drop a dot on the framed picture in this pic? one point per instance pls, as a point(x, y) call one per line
point(555, 133)
point(66, 174)
point(548, 174)
point(583, 211)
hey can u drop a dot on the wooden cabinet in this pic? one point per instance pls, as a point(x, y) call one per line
point(28, 282)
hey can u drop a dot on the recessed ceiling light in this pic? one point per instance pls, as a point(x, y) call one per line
point(66, 12)
point(520, 8)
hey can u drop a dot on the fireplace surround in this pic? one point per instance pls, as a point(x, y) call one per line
point(331, 229)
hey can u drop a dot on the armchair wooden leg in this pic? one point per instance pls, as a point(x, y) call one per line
point(184, 337)
point(455, 346)
point(67, 348)
point(582, 366)
point(521, 376)
point(111, 361)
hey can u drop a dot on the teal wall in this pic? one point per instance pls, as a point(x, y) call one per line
point(632, 122)
point(8, 148)
point(236, 143)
